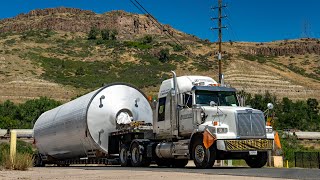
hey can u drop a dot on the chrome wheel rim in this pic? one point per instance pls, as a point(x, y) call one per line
point(123, 155)
point(199, 153)
point(135, 155)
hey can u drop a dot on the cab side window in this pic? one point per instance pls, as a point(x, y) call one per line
point(161, 109)
point(188, 100)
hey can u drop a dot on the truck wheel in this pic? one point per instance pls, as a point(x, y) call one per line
point(123, 156)
point(180, 163)
point(37, 161)
point(257, 161)
point(202, 157)
point(137, 158)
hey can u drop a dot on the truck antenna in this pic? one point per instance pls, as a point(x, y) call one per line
point(219, 28)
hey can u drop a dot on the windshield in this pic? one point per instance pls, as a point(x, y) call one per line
point(221, 98)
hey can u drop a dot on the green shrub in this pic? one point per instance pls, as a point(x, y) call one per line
point(94, 74)
point(317, 70)
point(105, 34)
point(178, 58)
point(259, 58)
point(10, 42)
point(147, 39)
point(99, 41)
point(164, 55)
point(177, 48)
point(93, 33)
point(296, 69)
point(113, 34)
point(37, 35)
point(135, 44)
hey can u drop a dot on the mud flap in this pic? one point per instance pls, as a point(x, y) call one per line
point(208, 139)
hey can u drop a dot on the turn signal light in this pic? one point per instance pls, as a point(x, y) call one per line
point(215, 123)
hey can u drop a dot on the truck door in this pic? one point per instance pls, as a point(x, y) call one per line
point(163, 122)
point(186, 115)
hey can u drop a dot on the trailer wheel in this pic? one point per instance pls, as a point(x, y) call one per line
point(202, 157)
point(137, 156)
point(123, 156)
point(37, 161)
point(257, 161)
point(180, 163)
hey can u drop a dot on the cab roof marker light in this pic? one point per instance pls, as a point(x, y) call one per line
point(215, 123)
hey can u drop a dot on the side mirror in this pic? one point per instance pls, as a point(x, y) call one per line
point(173, 92)
point(270, 106)
point(212, 103)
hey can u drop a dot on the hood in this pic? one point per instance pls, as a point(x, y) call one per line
point(228, 116)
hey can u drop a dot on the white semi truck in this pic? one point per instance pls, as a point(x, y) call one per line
point(193, 118)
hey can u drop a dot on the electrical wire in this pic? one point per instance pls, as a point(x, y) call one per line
point(155, 22)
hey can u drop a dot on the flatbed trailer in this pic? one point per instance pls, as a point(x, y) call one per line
point(116, 140)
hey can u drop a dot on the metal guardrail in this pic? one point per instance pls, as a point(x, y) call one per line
point(21, 133)
point(307, 159)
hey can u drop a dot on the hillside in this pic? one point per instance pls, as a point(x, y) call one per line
point(48, 53)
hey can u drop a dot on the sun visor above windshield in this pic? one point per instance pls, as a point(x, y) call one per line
point(214, 88)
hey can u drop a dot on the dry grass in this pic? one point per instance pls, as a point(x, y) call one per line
point(23, 161)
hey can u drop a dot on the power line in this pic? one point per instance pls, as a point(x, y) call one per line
point(155, 22)
point(158, 23)
point(229, 22)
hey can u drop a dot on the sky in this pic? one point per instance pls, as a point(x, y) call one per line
point(248, 20)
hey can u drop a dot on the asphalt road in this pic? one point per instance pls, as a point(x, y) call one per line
point(283, 173)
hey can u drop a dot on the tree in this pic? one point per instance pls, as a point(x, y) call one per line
point(32, 109)
point(105, 34)
point(93, 33)
point(147, 39)
point(113, 34)
point(8, 123)
point(164, 55)
point(9, 109)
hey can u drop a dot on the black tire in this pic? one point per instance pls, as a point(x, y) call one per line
point(257, 161)
point(37, 161)
point(180, 163)
point(123, 156)
point(203, 158)
point(137, 157)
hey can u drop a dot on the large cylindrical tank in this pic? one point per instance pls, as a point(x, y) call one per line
point(83, 125)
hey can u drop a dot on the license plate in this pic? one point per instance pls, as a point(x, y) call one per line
point(253, 153)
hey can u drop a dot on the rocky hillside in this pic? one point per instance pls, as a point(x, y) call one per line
point(76, 20)
point(64, 52)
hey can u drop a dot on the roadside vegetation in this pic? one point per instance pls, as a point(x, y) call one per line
point(23, 160)
point(288, 114)
point(23, 116)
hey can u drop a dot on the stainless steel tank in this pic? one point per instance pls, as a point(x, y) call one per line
point(83, 125)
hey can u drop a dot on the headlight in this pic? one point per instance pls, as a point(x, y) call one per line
point(221, 130)
point(269, 130)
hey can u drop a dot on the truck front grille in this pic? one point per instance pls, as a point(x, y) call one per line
point(251, 144)
point(251, 124)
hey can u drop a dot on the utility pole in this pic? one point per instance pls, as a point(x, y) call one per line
point(219, 28)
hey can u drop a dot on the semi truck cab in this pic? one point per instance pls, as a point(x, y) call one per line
point(197, 111)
